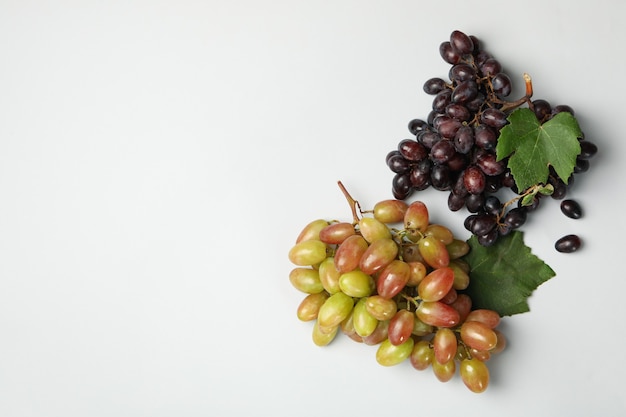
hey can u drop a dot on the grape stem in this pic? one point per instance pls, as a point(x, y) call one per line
point(531, 191)
point(526, 99)
point(354, 204)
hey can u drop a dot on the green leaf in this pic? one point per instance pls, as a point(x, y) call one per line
point(533, 146)
point(504, 275)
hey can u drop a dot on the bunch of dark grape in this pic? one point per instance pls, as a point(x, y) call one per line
point(395, 280)
point(454, 149)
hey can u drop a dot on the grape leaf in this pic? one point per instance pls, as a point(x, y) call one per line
point(533, 146)
point(504, 275)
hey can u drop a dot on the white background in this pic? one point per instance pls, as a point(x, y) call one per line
point(159, 158)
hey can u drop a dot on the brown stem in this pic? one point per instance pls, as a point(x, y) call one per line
point(353, 203)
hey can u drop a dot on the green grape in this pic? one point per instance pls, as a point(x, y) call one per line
point(347, 328)
point(378, 255)
point(461, 278)
point(364, 323)
point(378, 335)
point(401, 327)
point(335, 309)
point(310, 306)
point(439, 232)
point(393, 278)
point(348, 254)
point(444, 345)
point(336, 233)
point(418, 272)
point(434, 252)
point(420, 328)
point(444, 371)
point(416, 220)
point(422, 355)
point(436, 284)
point(463, 305)
point(329, 275)
point(489, 318)
point(477, 335)
point(389, 354)
point(457, 248)
point(372, 229)
point(356, 284)
point(306, 280)
point(437, 314)
point(390, 211)
point(381, 308)
point(323, 336)
point(312, 231)
point(308, 253)
point(475, 374)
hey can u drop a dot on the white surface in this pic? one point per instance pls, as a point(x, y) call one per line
point(158, 159)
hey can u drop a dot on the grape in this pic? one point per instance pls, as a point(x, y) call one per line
point(433, 252)
point(443, 371)
point(464, 92)
point(444, 345)
point(458, 112)
point(474, 180)
point(448, 54)
point(493, 117)
point(418, 272)
point(378, 255)
point(400, 327)
point(373, 229)
point(501, 84)
point(417, 125)
point(587, 149)
point(490, 66)
point(442, 100)
point(389, 354)
point(308, 252)
point(475, 374)
point(363, 322)
point(416, 217)
point(461, 43)
point(422, 355)
point(489, 318)
point(434, 85)
point(390, 211)
point(571, 209)
point(478, 335)
point(568, 244)
point(393, 278)
point(321, 336)
point(349, 253)
point(329, 275)
point(436, 284)
point(312, 230)
point(336, 233)
point(381, 308)
point(356, 284)
point(306, 280)
point(515, 217)
point(438, 314)
point(310, 306)
point(542, 109)
point(335, 309)
point(464, 139)
point(412, 150)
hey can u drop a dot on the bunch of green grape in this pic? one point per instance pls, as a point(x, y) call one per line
point(391, 278)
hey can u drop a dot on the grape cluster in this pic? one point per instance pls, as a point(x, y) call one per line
point(395, 280)
point(454, 149)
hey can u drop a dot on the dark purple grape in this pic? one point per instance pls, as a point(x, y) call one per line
point(401, 186)
point(461, 72)
point(440, 178)
point(458, 187)
point(474, 202)
point(534, 205)
point(434, 86)
point(455, 202)
point(485, 137)
point(483, 223)
point(398, 164)
point(417, 125)
point(474, 180)
point(461, 43)
point(493, 183)
point(448, 54)
point(488, 164)
point(488, 239)
point(412, 150)
point(431, 117)
point(428, 138)
point(582, 165)
point(448, 128)
point(571, 209)
point(442, 151)
point(491, 66)
point(587, 149)
point(492, 205)
point(562, 108)
point(568, 244)
point(458, 162)
point(441, 100)
point(476, 104)
point(390, 154)
point(420, 179)
point(507, 179)
point(480, 57)
point(458, 112)
point(493, 117)
point(464, 139)
point(560, 188)
point(515, 217)
point(542, 109)
point(501, 84)
point(504, 229)
point(464, 92)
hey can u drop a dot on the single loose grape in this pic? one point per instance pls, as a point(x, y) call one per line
point(568, 244)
